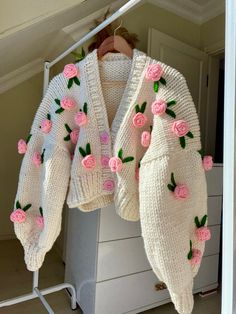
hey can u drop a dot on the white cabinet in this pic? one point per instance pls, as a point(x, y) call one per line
point(107, 263)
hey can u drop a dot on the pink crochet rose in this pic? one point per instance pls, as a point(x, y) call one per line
point(145, 138)
point(203, 234)
point(18, 215)
point(81, 118)
point(109, 185)
point(46, 126)
point(207, 163)
point(180, 128)
point(115, 164)
point(105, 161)
point(196, 257)
point(89, 162)
point(70, 70)
point(22, 146)
point(74, 135)
point(159, 107)
point(154, 72)
point(67, 103)
point(139, 120)
point(181, 191)
point(37, 159)
point(104, 138)
point(40, 221)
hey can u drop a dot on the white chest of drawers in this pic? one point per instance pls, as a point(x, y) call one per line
point(107, 263)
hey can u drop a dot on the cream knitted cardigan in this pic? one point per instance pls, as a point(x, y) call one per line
point(144, 156)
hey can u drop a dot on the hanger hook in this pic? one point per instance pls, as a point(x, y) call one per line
point(117, 28)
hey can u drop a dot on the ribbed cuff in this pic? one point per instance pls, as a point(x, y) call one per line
point(127, 205)
point(183, 301)
point(34, 256)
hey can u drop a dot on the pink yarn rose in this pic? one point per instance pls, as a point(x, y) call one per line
point(89, 162)
point(154, 72)
point(18, 215)
point(180, 128)
point(159, 107)
point(22, 146)
point(109, 185)
point(139, 120)
point(181, 191)
point(81, 118)
point(74, 135)
point(46, 126)
point(37, 159)
point(115, 164)
point(105, 161)
point(203, 234)
point(70, 70)
point(67, 103)
point(145, 139)
point(104, 138)
point(40, 221)
point(196, 257)
point(207, 163)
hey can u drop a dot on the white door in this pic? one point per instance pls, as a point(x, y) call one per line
point(191, 62)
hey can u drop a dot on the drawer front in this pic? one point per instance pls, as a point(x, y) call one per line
point(214, 210)
point(132, 292)
point(215, 181)
point(124, 257)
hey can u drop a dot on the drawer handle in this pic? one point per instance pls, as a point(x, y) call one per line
point(160, 286)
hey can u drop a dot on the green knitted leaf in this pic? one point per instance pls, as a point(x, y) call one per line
point(182, 141)
point(190, 254)
point(156, 86)
point(76, 80)
point(88, 149)
point(70, 82)
point(42, 156)
point(120, 154)
point(201, 152)
point(171, 187)
point(171, 103)
point(26, 207)
point(59, 110)
point(48, 116)
point(58, 101)
point(137, 109)
point(82, 152)
point(67, 138)
point(41, 211)
point(127, 159)
point(83, 52)
point(85, 108)
point(68, 129)
point(203, 221)
point(28, 138)
point(18, 205)
point(190, 134)
point(170, 113)
point(163, 81)
point(143, 107)
point(197, 222)
point(173, 179)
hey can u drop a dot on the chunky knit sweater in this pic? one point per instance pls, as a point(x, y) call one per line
point(124, 131)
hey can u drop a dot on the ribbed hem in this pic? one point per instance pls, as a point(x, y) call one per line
point(183, 302)
point(127, 206)
point(34, 256)
point(87, 193)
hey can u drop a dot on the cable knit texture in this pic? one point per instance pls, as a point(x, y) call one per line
point(110, 104)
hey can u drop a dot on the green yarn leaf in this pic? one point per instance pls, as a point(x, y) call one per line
point(58, 101)
point(156, 86)
point(171, 113)
point(28, 138)
point(67, 138)
point(203, 221)
point(18, 205)
point(48, 116)
point(171, 187)
point(163, 81)
point(190, 254)
point(201, 152)
point(41, 211)
point(197, 222)
point(26, 207)
point(83, 52)
point(70, 83)
point(42, 156)
point(68, 128)
point(120, 154)
point(127, 159)
point(173, 179)
point(59, 110)
point(190, 134)
point(88, 149)
point(182, 141)
point(85, 108)
point(171, 103)
point(82, 152)
point(76, 80)
point(137, 109)
point(143, 107)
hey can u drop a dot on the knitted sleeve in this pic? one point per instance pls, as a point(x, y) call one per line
point(44, 173)
point(173, 193)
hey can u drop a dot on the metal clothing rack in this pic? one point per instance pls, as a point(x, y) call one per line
point(36, 293)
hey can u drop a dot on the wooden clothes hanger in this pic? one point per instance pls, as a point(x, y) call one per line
point(115, 43)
